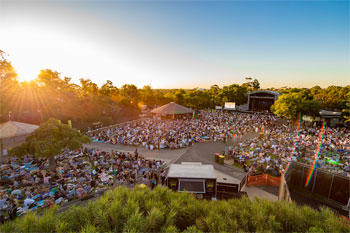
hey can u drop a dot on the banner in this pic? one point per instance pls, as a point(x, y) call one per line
point(230, 106)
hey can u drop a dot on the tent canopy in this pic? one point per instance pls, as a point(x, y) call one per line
point(14, 129)
point(172, 108)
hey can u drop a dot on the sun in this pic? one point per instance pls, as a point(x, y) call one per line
point(25, 73)
point(25, 79)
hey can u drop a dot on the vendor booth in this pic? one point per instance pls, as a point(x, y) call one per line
point(202, 180)
point(193, 178)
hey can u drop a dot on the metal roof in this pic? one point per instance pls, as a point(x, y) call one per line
point(191, 170)
point(324, 113)
point(224, 178)
point(275, 93)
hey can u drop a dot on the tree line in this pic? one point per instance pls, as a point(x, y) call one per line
point(304, 101)
point(50, 95)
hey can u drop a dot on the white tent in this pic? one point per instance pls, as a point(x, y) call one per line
point(172, 108)
point(12, 129)
point(13, 133)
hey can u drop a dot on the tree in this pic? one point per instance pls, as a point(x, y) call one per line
point(256, 84)
point(289, 105)
point(233, 93)
point(251, 85)
point(130, 93)
point(108, 89)
point(88, 87)
point(179, 97)
point(8, 85)
point(49, 140)
point(346, 110)
point(147, 95)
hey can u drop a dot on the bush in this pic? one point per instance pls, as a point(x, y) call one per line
point(161, 210)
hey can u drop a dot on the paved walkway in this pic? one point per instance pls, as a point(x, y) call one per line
point(167, 155)
point(256, 192)
point(199, 152)
point(204, 152)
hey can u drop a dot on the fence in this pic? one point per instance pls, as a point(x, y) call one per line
point(331, 186)
point(263, 179)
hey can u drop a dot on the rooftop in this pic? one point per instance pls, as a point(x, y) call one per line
point(192, 170)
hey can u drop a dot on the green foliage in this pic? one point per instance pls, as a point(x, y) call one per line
point(346, 110)
point(49, 140)
point(170, 229)
point(251, 85)
point(161, 210)
point(89, 229)
point(192, 229)
point(74, 219)
point(33, 223)
point(290, 104)
point(51, 95)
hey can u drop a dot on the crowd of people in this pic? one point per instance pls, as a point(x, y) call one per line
point(269, 153)
point(272, 151)
point(178, 133)
point(28, 184)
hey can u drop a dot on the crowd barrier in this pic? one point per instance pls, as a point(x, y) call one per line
point(335, 187)
point(264, 179)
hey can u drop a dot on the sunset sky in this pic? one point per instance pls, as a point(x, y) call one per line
point(173, 44)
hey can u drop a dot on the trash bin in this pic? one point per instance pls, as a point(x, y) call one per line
point(221, 159)
point(217, 157)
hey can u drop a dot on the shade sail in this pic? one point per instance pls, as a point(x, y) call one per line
point(14, 129)
point(172, 108)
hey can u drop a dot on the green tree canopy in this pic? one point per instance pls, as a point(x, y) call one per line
point(49, 140)
point(289, 105)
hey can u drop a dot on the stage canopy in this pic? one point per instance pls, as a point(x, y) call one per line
point(172, 108)
point(12, 129)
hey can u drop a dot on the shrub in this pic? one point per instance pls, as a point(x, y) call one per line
point(161, 210)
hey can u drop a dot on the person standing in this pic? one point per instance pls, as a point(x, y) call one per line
point(162, 176)
point(136, 154)
point(12, 209)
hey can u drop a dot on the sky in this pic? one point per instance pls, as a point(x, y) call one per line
point(180, 44)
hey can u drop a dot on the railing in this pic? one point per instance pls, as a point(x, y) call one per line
point(334, 187)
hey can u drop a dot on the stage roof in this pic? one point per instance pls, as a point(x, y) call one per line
point(14, 129)
point(265, 92)
point(172, 108)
